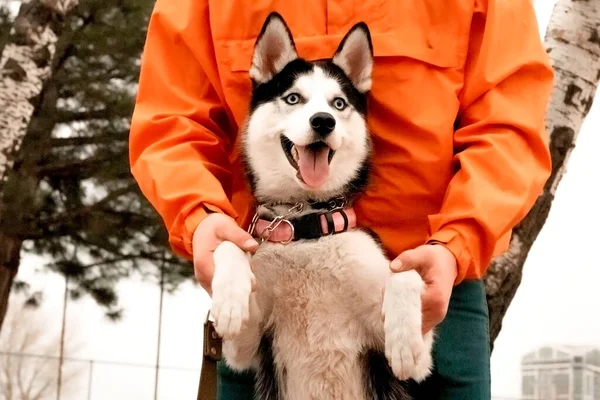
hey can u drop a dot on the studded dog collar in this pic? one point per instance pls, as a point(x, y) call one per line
point(329, 218)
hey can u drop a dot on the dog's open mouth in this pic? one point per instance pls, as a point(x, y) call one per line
point(311, 162)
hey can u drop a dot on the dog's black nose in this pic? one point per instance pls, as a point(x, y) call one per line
point(322, 123)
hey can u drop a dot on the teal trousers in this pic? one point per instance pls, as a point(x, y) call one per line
point(461, 355)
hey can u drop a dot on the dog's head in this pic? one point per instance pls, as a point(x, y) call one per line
point(306, 135)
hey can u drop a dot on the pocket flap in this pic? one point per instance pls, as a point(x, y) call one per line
point(322, 47)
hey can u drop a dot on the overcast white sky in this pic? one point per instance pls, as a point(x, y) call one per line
point(556, 302)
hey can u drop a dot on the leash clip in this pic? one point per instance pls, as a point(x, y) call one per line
point(266, 234)
point(252, 226)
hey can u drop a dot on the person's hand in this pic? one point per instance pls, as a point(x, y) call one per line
point(437, 266)
point(213, 230)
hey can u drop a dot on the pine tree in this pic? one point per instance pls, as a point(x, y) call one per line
point(70, 195)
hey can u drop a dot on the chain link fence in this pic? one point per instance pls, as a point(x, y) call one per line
point(36, 377)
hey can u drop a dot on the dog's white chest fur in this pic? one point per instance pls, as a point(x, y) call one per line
point(323, 303)
point(317, 311)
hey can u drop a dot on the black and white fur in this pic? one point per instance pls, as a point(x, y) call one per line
point(322, 318)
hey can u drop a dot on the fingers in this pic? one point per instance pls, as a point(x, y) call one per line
point(435, 307)
point(410, 259)
point(233, 233)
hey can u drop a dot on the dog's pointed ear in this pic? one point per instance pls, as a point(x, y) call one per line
point(355, 56)
point(273, 50)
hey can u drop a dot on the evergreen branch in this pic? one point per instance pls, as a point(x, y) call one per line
point(94, 72)
point(114, 194)
point(46, 227)
point(80, 211)
point(84, 140)
point(65, 46)
point(106, 246)
point(152, 256)
point(64, 117)
point(77, 168)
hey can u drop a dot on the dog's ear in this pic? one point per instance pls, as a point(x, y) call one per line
point(355, 56)
point(273, 50)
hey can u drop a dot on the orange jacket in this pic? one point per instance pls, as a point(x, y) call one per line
point(457, 107)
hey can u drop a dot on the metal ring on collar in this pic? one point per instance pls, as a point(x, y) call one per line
point(293, 232)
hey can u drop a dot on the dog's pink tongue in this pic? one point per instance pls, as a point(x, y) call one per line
point(313, 165)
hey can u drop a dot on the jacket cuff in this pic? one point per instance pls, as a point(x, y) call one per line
point(452, 240)
point(182, 245)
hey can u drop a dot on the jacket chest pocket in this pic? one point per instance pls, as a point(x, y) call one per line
point(404, 51)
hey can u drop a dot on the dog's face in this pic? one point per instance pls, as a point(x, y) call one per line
point(306, 136)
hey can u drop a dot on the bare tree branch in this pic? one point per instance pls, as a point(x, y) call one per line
point(24, 377)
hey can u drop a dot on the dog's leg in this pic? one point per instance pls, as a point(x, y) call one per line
point(390, 309)
point(231, 287)
point(395, 298)
point(235, 308)
point(240, 351)
point(407, 350)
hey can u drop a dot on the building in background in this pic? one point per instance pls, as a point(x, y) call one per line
point(561, 373)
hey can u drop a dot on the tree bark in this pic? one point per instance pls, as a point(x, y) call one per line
point(10, 250)
point(573, 43)
point(25, 65)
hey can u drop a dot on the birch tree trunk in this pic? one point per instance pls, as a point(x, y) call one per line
point(573, 43)
point(25, 67)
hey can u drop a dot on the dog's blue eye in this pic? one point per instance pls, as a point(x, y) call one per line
point(292, 98)
point(339, 103)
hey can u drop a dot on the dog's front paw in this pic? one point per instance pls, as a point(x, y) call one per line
point(424, 363)
point(407, 351)
point(408, 360)
point(231, 288)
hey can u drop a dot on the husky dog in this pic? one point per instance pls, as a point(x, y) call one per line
point(319, 315)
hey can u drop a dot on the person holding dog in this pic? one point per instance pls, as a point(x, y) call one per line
point(456, 109)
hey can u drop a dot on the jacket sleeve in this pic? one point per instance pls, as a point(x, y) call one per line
point(501, 149)
point(181, 136)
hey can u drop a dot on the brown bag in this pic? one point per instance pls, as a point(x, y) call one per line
point(207, 389)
